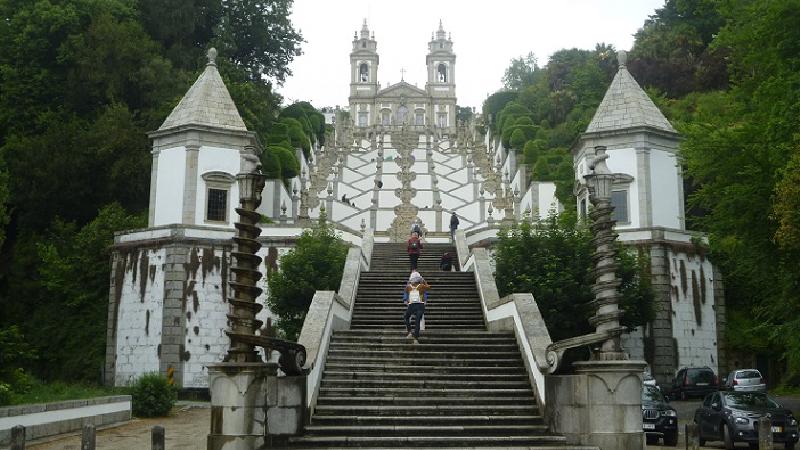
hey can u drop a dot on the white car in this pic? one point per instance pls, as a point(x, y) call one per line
point(745, 380)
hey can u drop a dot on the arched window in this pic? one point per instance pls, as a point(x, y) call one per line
point(363, 73)
point(442, 71)
point(386, 117)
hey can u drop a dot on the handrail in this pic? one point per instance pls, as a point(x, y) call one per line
point(462, 249)
point(328, 312)
point(518, 313)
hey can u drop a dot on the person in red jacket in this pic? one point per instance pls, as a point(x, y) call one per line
point(414, 249)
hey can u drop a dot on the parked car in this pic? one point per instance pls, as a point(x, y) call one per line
point(659, 419)
point(745, 380)
point(692, 382)
point(733, 417)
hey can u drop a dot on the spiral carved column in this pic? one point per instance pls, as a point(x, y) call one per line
point(242, 315)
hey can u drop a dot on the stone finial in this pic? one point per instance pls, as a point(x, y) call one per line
point(441, 28)
point(212, 56)
point(622, 58)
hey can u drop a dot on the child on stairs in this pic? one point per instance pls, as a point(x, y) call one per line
point(415, 296)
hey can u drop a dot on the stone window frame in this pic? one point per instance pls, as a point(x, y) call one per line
point(361, 78)
point(442, 115)
point(419, 112)
point(365, 122)
point(221, 181)
point(627, 192)
point(386, 113)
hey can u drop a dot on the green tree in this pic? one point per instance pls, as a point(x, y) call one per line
point(74, 274)
point(258, 37)
point(673, 52)
point(316, 263)
point(552, 260)
point(739, 151)
point(521, 72)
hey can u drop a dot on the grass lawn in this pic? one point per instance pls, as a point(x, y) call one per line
point(58, 390)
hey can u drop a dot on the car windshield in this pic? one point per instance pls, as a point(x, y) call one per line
point(650, 394)
point(748, 374)
point(749, 400)
point(700, 376)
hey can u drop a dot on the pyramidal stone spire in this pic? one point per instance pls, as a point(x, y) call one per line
point(207, 103)
point(626, 105)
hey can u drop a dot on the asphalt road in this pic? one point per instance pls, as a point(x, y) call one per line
point(686, 410)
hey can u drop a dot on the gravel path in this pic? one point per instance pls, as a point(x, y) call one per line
point(185, 429)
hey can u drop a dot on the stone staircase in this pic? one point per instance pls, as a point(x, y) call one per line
point(462, 386)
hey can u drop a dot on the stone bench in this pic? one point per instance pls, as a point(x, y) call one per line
point(48, 419)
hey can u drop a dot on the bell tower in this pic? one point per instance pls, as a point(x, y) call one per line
point(363, 76)
point(441, 85)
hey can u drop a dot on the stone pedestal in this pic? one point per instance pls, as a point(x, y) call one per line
point(286, 408)
point(238, 404)
point(600, 405)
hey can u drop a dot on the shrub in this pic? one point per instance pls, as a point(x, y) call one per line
point(553, 261)
point(153, 396)
point(290, 167)
point(316, 263)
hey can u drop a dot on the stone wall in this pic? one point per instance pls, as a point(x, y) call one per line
point(168, 307)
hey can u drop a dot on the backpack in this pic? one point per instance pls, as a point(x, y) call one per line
point(414, 245)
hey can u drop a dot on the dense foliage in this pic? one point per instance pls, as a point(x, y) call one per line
point(543, 109)
point(552, 259)
point(315, 263)
point(152, 395)
point(727, 75)
point(82, 82)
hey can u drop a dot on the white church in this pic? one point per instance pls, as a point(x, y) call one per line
point(399, 157)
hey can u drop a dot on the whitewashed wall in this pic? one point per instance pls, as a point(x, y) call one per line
point(140, 306)
point(665, 180)
point(693, 316)
point(169, 186)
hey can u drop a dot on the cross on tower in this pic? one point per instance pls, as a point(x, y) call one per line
point(402, 73)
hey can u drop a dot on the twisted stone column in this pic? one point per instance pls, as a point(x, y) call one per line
point(242, 315)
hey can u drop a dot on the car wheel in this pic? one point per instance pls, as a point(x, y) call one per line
point(671, 439)
point(727, 438)
point(789, 446)
point(651, 440)
point(754, 446)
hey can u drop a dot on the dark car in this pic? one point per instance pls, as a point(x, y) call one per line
point(659, 419)
point(733, 417)
point(692, 382)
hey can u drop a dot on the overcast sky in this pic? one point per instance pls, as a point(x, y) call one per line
point(486, 35)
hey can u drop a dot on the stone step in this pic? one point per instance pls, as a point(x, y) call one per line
point(413, 401)
point(428, 327)
point(430, 383)
point(440, 333)
point(423, 420)
point(371, 375)
point(455, 441)
point(439, 362)
point(412, 367)
point(394, 338)
point(368, 409)
point(417, 351)
point(379, 391)
point(401, 429)
point(437, 346)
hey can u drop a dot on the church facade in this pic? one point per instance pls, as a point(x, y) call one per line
point(403, 103)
